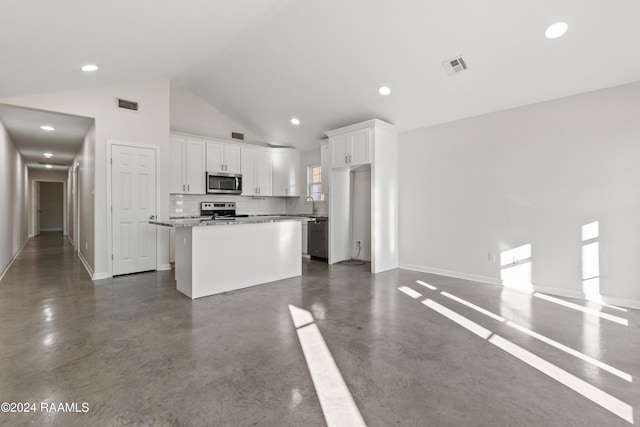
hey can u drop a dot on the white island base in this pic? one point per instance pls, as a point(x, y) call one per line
point(215, 259)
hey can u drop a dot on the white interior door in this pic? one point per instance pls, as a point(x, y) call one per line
point(133, 198)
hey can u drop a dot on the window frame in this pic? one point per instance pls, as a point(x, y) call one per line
point(310, 182)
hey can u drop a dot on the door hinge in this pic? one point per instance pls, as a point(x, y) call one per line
point(111, 257)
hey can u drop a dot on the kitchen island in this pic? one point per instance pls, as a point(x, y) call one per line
point(215, 256)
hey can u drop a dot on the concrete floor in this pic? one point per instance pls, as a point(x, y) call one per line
point(140, 353)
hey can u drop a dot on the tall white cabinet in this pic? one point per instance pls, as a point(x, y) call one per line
point(371, 144)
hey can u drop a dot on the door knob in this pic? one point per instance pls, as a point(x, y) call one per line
point(152, 217)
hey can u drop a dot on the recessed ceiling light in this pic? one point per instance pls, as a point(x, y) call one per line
point(89, 68)
point(47, 127)
point(384, 90)
point(556, 30)
point(48, 166)
point(295, 121)
point(48, 155)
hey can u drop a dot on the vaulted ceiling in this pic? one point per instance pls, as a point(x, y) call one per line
point(263, 62)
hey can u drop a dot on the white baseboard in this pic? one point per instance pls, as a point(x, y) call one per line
point(622, 302)
point(86, 264)
point(14, 258)
point(449, 273)
point(164, 267)
point(92, 274)
point(567, 293)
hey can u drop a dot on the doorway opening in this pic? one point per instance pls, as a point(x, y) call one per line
point(50, 207)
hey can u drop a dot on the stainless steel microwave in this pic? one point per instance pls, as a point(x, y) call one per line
point(224, 183)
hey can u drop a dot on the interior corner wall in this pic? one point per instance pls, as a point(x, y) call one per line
point(14, 181)
point(148, 126)
point(191, 114)
point(532, 175)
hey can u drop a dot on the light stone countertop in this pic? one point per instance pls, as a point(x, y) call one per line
point(194, 222)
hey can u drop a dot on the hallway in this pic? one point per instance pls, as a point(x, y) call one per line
point(139, 353)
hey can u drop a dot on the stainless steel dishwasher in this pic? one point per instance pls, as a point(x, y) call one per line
point(318, 238)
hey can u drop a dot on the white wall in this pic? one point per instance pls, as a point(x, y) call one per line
point(85, 164)
point(149, 126)
point(191, 114)
point(14, 181)
point(533, 175)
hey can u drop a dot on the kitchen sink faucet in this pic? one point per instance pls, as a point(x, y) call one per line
point(314, 209)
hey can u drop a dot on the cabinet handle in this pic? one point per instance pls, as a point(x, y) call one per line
point(226, 167)
point(188, 188)
point(349, 158)
point(346, 159)
point(183, 189)
point(221, 166)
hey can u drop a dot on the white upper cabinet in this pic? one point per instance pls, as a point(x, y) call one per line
point(351, 148)
point(265, 171)
point(285, 172)
point(223, 157)
point(256, 172)
point(187, 166)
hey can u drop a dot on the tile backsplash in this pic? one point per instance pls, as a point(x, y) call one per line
point(189, 205)
point(297, 206)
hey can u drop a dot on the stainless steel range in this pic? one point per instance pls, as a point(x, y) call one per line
point(218, 210)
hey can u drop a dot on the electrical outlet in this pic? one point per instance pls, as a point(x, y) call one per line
point(358, 243)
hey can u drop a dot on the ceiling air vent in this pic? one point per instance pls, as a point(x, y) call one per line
point(127, 105)
point(455, 65)
point(236, 135)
